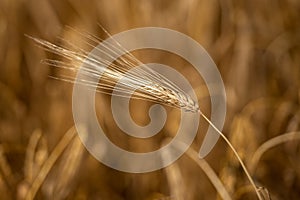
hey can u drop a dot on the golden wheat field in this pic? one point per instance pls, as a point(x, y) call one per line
point(256, 47)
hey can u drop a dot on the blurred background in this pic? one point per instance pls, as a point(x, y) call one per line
point(256, 46)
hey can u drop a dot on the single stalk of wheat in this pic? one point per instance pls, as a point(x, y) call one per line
point(152, 86)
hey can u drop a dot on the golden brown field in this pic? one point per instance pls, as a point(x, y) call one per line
point(256, 46)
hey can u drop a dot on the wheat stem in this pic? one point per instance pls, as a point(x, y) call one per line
point(272, 143)
point(236, 154)
point(48, 164)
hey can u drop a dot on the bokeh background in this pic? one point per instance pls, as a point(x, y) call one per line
point(256, 46)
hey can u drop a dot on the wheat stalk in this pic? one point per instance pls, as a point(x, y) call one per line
point(152, 86)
